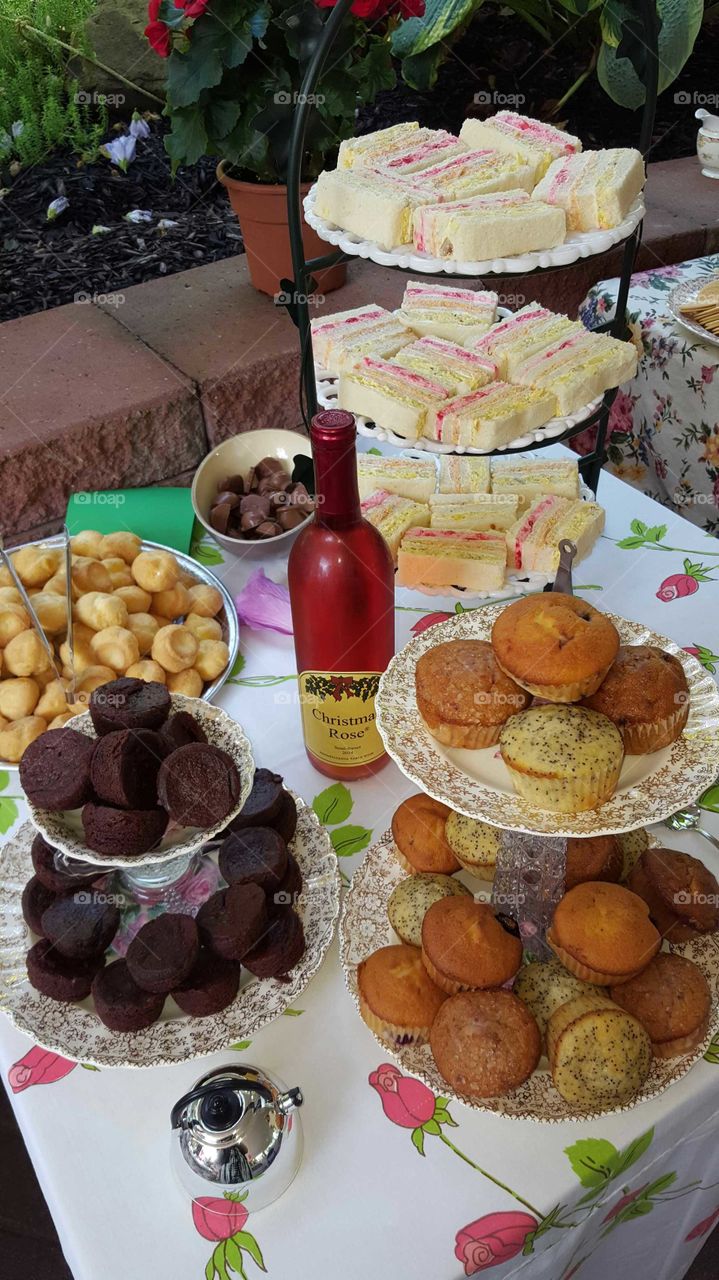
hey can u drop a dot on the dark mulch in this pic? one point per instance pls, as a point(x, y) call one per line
point(46, 264)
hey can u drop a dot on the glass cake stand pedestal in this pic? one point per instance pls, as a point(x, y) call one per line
point(528, 884)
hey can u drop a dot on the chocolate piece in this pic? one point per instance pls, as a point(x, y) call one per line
point(291, 886)
point(290, 517)
point(36, 898)
point(257, 855)
point(220, 517)
point(233, 920)
point(81, 925)
point(256, 502)
point(43, 861)
point(55, 976)
point(262, 804)
point(199, 785)
point(269, 466)
point(268, 529)
point(120, 1003)
point(181, 729)
point(125, 767)
point(227, 498)
point(281, 947)
point(128, 703)
point(164, 952)
point(55, 769)
point(212, 985)
point(233, 484)
point(122, 832)
point(250, 520)
point(286, 821)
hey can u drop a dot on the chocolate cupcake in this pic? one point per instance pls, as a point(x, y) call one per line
point(286, 821)
point(180, 730)
point(128, 703)
point(120, 1003)
point(122, 832)
point(55, 770)
point(233, 920)
point(43, 861)
point(125, 766)
point(255, 856)
point(291, 886)
point(281, 947)
point(199, 785)
point(264, 802)
point(55, 976)
point(163, 953)
point(81, 925)
point(36, 898)
point(212, 985)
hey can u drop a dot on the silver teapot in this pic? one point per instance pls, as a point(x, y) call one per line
point(237, 1129)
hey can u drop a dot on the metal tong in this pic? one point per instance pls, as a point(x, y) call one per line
point(28, 605)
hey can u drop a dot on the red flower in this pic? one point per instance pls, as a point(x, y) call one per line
point(429, 620)
point(704, 1227)
point(158, 33)
point(623, 1201)
point(495, 1238)
point(405, 1101)
point(39, 1066)
point(192, 8)
point(218, 1219)
point(708, 371)
point(677, 584)
point(380, 8)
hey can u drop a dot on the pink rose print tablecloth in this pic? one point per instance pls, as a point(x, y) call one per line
point(664, 425)
point(397, 1181)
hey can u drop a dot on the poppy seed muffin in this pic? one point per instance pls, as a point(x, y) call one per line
point(485, 1042)
point(602, 933)
point(474, 843)
point(565, 759)
point(463, 696)
point(412, 898)
point(599, 1055)
point(646, 695)
point(556, 646)
point(398, 999)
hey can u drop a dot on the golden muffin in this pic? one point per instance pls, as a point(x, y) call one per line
point(465, 945)
point(593, 858)
point(602, 933)
point(672, 1000)
point(565, 759)
point(418, 830)
point(485, 1043)
point(398, 999)
point(554, 645)
point(463, 696)
point(646, 695)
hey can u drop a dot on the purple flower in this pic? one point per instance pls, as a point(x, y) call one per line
point(139, 128)
point(264, 605)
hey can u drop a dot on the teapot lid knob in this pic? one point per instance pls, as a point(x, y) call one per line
point(220, 1110)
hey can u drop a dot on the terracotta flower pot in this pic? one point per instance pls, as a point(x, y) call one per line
point(262, 212)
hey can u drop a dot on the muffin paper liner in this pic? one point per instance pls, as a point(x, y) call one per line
point(446, 984)
point(397, 1034)
point(640, 739)
point(560, 692)
point(680, 1044)
point(595, 976)
point(566, 795)
point(471, 737)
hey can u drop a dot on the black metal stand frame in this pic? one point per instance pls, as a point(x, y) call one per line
point(299, 289)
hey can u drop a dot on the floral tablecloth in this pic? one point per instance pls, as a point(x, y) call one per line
point(664, 425)
point(396, 1181)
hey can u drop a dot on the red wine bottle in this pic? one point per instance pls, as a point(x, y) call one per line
point(341, 581)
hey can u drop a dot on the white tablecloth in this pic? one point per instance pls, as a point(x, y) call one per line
point(632, 1195)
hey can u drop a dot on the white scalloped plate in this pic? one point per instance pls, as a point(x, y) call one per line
point(75, 1031)
point(327, 392)
point(687, 292)
point(478, 784)
point(579, 244)
point(364, 927)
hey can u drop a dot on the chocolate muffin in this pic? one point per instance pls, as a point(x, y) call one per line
point(125, 767)
point(286, 821)
point(180, 730)
point(120, 1003)
point(257, 855)
point(122, 832)
point(81, 925)
point(36, 898)
point(55, 769)
point(55, 976)
point(163, 953)
point(128, 703)
point(43, 860)
point(212, 985)
point(280, 948)
point(199, 785)
point(264, 802)
point(291, 886)
point(233, 920)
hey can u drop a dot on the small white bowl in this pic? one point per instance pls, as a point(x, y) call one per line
point(237, 456)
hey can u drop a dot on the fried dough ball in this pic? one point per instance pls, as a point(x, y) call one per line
point(119, 571)
point(18, 698)
point(34, 565)
point(53, 700)
point(9, 595)
point(136, 600)
point(82, 654)
point(57, 585)
point(155, 570)
point(98, 609)
point(188, 682)
point(91, 679)
point(205, 600)
point(161, 619)
point(15, 740)
point(25, 654)
point(146, 669)
point(90, 575)
point(212, 658)
point(51, 612)
point(203, 628)
point(115, 647)
point(87, 543)
point(124, 544)
point(174, 603)
point(45, 677)
point(6, 578)
point(13, 619)
point(58, 721)
point(175, 648)
point(144, 627)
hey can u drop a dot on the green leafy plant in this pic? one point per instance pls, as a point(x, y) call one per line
point(235, 72)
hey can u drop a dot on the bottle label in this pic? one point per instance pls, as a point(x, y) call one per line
point(338, 716)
